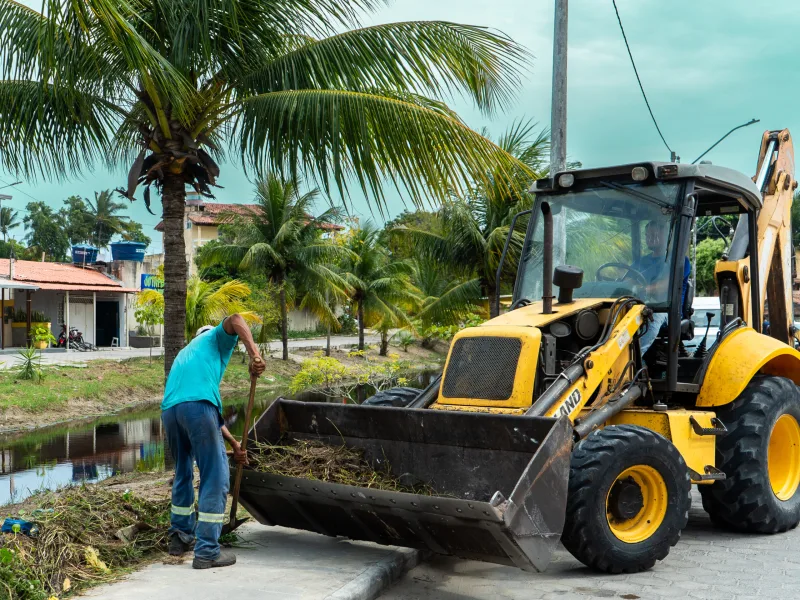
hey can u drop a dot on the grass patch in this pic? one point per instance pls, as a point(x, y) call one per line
point(114, 383)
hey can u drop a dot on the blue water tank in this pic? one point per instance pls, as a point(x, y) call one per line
point(128, 251)
point(84, 254)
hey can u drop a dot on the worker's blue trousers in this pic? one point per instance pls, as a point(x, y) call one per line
point(193, 433)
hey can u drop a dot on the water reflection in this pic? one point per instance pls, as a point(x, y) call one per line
point(92, 451)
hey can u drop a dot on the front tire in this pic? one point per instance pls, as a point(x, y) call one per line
point(628, 499)
point(760, 456)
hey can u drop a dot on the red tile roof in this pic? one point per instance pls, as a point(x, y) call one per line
point(217, 213)
point(56, 276)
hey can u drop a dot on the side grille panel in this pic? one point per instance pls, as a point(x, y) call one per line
point(482, 368)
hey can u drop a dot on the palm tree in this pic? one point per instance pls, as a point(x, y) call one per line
point(207, 303)
point(9, 219)
point(471, 230)
point(103, 214)
point(382, 291)
point(281, 84)
point(281, 240)
point(446, 298)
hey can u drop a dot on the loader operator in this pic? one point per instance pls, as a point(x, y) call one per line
point(655, 269)
point(192, 417)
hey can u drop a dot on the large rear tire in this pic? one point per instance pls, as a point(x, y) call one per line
point(760, 456)
point(628, 499)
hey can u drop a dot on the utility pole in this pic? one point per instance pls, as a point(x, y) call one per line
point(558, 110)
point(558, 121)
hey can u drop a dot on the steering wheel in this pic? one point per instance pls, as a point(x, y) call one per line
point(630, 273)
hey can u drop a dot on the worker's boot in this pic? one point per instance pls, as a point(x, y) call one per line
point(225, 559)
point(177, 547)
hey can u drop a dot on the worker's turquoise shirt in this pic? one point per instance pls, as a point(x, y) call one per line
point(198, 369)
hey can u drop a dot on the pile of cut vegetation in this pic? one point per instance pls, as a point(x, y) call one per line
point(313, 459)
point(86, 535)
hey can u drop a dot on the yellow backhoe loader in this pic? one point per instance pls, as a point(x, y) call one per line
point(549, 424)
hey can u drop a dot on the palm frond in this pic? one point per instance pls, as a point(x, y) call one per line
point(50, 129)
point(340, 137)
point(453, 305)
point(427, 57)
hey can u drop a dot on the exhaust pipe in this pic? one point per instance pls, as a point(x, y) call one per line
point(547, 260)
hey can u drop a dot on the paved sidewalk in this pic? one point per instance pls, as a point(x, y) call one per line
point(275, 563)
point(9, 359)
point(707, 563)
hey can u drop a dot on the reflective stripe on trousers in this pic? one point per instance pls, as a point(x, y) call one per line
point(193, 433)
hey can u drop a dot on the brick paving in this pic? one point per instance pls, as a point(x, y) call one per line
point(707, 564)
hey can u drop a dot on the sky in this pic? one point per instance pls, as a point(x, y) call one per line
point(705, 66)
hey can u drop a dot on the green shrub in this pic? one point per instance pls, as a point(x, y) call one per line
point(29, 366)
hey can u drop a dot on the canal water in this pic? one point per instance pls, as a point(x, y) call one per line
point(90, 451)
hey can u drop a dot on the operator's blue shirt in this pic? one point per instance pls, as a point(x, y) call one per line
point(198, 369)
point(654, 268)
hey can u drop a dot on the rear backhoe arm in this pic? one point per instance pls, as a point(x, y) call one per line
point(775, 178)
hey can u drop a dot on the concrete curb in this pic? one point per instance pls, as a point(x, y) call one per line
point(377, 577)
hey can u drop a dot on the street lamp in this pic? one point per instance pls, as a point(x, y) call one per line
point(750, 122)
point(10, 185)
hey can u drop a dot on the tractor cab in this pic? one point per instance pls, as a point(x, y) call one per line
point(629, 230)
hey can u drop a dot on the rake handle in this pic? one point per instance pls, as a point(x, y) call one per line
point(237, 484)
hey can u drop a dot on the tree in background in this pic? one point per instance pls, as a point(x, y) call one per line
point(46, 232)
point(149, 312)
point(445, 300)
point(471, 231)
point(76, 220)
point(709, 251)
point(19, 250)
point(209, 303)
point(106, 223)
point(382, 292)
point(132, 232)
point(9, 219)
point(402, 247)
point(796, 219)
point(285, 85)
point(281, 240)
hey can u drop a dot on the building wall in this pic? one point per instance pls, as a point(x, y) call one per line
point(302, 320)
point(195, 237)
point(52, 304)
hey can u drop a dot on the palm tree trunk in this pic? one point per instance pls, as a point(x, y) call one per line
point(492, 295)
point(328, 342)
point(284, 322)
point(175, 267)
point(360, 325)
point(384, 343)
point(328, 336)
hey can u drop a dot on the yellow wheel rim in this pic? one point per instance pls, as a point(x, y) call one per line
point(783, 457)
point(636, 504)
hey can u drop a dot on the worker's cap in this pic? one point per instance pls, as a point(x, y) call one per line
point(203, 329)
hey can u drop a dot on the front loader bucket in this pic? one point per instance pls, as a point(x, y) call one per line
point(502, 480)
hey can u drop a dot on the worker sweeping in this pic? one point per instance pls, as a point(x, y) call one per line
point(192, 417)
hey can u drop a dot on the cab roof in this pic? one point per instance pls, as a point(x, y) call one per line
point(710, 178)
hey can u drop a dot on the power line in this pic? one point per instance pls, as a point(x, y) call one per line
point(22, 191)
point(636, 72)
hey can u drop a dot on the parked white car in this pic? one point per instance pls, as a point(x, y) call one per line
point(701, 306)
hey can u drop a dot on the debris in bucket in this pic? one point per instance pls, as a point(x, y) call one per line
point(312, 459)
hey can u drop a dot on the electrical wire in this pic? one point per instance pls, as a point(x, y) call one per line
point(21, 191)
point(636, 72)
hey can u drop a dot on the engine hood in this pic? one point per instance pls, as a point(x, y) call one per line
point(531, 315)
